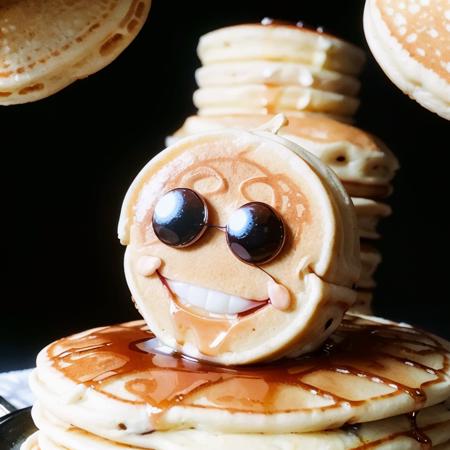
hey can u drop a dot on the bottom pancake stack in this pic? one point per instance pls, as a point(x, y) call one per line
point(373, 384)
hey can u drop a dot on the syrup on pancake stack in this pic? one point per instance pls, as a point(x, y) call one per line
point(251, 72)
point(242, 248)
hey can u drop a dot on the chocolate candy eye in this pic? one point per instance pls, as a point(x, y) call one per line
point(255, 233)
point(180, 217)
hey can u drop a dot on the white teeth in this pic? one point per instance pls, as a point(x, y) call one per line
point(212, 301)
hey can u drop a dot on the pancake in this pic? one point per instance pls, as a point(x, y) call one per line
point(370, 260)
point(362, 162)
point(276, 73)
point(429, 429)
point(369, 213)
point(410, 41)
point(203, 300)
point(120, 383)
point(267, 99)
point(275, 41)
point(48, 45)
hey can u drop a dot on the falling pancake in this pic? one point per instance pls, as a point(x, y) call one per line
point(362, 162)
point(426, 429)
point(120, 383)
point(50, 44)
point(410, 40)
point(274, 41)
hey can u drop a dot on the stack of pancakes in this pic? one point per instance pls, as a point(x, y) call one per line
point(275, 67)
point(118, 387)
point(250, 72)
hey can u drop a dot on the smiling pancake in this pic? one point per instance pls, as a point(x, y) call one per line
point(120, 383)
point(205, 302)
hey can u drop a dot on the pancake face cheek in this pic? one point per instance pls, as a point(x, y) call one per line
point(203, 293)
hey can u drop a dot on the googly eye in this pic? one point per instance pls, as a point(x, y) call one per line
point(255, 233)
point(180, 217)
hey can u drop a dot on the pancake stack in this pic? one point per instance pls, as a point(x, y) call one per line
point(242, 252)
point(250, 72)
point(275, 67)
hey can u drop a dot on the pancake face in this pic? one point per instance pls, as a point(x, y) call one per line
point(279, 42)
point(48, 45)
point(428, 429)
point(275, 73)
point(362, 162)
point(202, 299)
point(120, 383)
point(410, 40)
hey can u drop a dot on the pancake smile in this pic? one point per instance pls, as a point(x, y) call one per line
point(209, 300)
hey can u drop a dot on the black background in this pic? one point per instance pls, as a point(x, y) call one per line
point(68, 160)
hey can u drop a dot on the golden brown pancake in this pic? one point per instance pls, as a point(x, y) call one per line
point(47, 45)
point(121, 384)
point(410, 40)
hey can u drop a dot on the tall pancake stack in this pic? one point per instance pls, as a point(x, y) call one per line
point(251, 72)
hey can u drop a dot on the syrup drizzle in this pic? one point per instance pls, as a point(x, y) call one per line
point(382, 353)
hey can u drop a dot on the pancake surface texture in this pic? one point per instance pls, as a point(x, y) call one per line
point(119, 383)
point(50, 44)
point(411, 42)
point(190, 302)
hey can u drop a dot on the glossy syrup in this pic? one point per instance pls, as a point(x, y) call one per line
point(359, 348)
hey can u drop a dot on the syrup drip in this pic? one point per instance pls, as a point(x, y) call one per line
point(358, 348)
point(416, 433)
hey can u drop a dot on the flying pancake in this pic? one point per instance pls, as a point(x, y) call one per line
point(48, 45)
point(121, 384)
point(410, 40)
point(240, 246)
